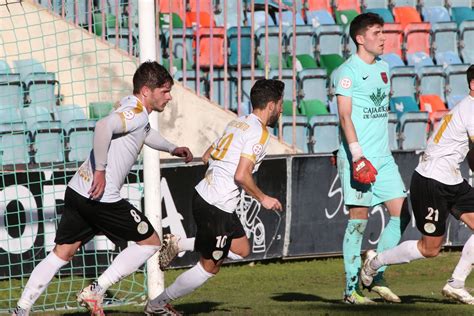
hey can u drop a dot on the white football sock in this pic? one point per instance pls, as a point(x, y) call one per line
point(186, 244)
point(234, 256)
point(183, 285)
point(406, 252)
point(464, 266)
point(39, 279)
point(127, 262)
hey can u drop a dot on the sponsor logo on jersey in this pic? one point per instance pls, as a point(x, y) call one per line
point(346, 83)
point(384, 77)
point(257, 149)
point(378, 97)
point(142, 228)
point(129, 115)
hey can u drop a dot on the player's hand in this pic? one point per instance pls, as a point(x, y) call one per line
point(363, 171)
point(183, 152)
point(271, 203)
point(98, 185)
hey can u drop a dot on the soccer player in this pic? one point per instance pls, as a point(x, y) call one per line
point(437, 189)
point(232, 160)
point(92, 201)
point(368, 172)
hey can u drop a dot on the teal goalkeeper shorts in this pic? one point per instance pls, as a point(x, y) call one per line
point(388, 183)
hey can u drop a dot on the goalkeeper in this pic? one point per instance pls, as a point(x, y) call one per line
point(368, 173)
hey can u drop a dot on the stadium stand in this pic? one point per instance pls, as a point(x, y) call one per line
point(324, 133)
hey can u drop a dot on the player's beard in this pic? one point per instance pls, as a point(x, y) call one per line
point(272, 122)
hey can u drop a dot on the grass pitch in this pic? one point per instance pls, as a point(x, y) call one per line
point(313, 287)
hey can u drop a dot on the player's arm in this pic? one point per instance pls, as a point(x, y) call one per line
point(158, 142)
point(243, 178)
point(344, 108)
point(205, 157)
point(104, 130)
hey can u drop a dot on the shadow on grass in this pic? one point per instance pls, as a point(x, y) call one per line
point(187, 309)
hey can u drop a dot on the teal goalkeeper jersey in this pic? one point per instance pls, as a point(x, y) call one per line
point(369, 87)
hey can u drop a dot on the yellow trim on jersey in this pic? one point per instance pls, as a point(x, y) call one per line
point(253, 158)
point(265, 135)
point(138, 108)
point(472, 139)
point(124, 125)
point(446, 119)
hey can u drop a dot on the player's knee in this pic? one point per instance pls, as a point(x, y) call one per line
point(245, 252)
point(63, 253)
point(430, 252)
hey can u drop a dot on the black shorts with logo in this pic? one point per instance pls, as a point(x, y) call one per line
point(83, 218)
point(215, 229)
point(432, 201)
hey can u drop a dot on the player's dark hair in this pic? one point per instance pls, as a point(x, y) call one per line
point(362, 22)
point(264, 91)
point(152, 75)
point(470, 75)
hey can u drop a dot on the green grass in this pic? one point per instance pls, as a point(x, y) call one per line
point(314, 287)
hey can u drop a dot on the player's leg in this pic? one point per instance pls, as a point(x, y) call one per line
point(118, 221)
point(72, 231)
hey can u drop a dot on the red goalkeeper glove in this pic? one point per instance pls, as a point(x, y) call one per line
point(363, 171)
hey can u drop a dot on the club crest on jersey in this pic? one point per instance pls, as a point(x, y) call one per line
point(142, 228)
point(384, 77)
point(429, 228)
point(257, 149)
point(129, 115)
point(217, 254)
point(346, 83)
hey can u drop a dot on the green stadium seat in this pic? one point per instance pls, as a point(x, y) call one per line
point(98, 110)
point(165, 20)
point(330, 62)
point(311, 108)
point(345, 17)
point(288, 108)
point(97, 26)
point(306, 61)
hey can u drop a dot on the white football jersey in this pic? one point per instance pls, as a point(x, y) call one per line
point(122, 155)
point(449, 144)
point(246, 137)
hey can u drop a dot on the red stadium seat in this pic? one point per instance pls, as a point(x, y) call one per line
point(205, 19)
point(205, 48)
point(433, 104)
point(417, 38)
point(348, 5)
point(176, 7)
point(406, 15)
point(314, 5)
point(204, 5)
point(393, 39)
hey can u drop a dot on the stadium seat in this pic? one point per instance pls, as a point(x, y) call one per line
point(14, 148)
point(211, 47)
point(393, 130)
point(204, 6)
point(436, 118)
point(404, 3)
point(41, 90)
point(191, 80)
point(274, 62)
point(47, 135)
point(432, 104)
point(305, 40)
point(176, 7)
point(444, 39)
point(419, 59)
point(9, 114)
point(122, 39)
point(417, 38)
point(371, 4)
point(345, 17)
point(219, 88)
point(342, 5)
point(466, 31)
point(400, 105)
point(329, 40)
point(462, 14)
point(383, 12)
point(432, 80)
point(179, 45)
point(313, 83)
point(313, 5)
point(459, 3)
point(320, 17)
point(4, 68)
point(306, 62)
point(435, 14)
point(205, 20)
point(165, 20)
point(247, 83)
point(393, 39)
point(178, 64)
point(393, 60)
point(301, 131)
point(79, 139)
point(274, 43)
point(11, 90)
point(287, 78)
point(287, 18)
point(324, 133)
point(403, 81)
point(413, 134)
point(100, 26)
point(287, 108)
point(98, 110)
point(259, 19)
point(245, 44)
point(24, 67)
point(313, 107)
point(71, 112)
point(448, 58)
point(330, 62)
point(406, 15)
point(456, 88)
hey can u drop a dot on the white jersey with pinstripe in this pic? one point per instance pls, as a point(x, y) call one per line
point(246, 137)
point(449, 144)
point(122, 155)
